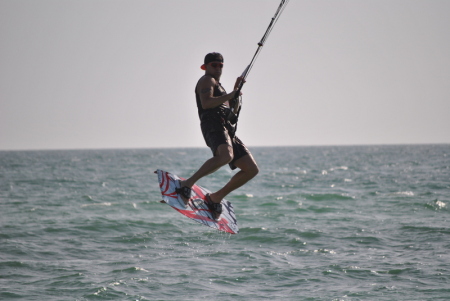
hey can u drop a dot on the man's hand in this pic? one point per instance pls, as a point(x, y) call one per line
point(238, 82)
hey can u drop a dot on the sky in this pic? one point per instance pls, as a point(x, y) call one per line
point(89, 74)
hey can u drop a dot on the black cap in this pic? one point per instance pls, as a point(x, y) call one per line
point(212, 57)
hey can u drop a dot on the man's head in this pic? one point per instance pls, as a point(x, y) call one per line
point(213, 65)
point(213, 57)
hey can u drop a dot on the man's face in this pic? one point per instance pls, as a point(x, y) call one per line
point(214, 68)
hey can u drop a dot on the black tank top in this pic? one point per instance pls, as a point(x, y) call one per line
point(213, 112)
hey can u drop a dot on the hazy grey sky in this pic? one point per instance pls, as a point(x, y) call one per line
point(121, 74)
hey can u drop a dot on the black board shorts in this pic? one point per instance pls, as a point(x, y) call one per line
point(217, 137)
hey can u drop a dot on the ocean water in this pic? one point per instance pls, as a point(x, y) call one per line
point(317, 223)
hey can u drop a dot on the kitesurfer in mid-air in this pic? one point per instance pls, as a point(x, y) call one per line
point(214, 105)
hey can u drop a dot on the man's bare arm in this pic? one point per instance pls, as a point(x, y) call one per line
point(206, 91)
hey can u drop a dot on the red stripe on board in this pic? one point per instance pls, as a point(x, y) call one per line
point(199, 192)
point(172, 195)
point(222, 224)
point(161, 184)
point(166, 176)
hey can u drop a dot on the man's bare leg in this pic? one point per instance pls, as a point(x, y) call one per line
point(249, 170)
point(224, 155)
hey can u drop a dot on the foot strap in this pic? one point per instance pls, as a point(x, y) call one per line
point(215, 208)
point(184, 191)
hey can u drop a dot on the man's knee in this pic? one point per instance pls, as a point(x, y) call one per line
point(248, 165)
point(226, 158)
point(225, 154)
point(253, 170)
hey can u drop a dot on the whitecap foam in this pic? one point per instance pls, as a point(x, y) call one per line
point(405, 193)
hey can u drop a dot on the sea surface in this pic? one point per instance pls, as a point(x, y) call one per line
point(317, 223)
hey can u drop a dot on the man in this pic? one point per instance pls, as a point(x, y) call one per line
point(213, 105)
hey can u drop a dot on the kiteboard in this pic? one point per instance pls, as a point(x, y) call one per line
point(196, 209)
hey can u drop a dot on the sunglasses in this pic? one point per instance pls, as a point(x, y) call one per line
point(215, 65)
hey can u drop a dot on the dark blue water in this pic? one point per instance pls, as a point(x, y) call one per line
point(318, 223)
